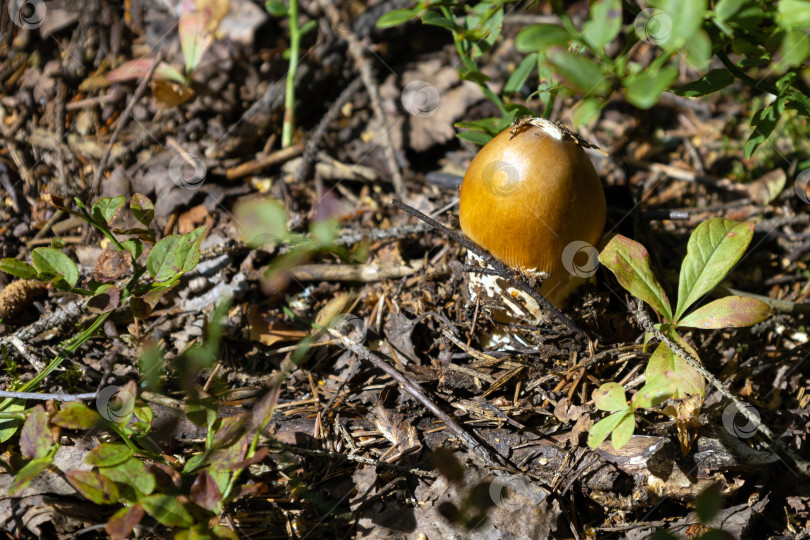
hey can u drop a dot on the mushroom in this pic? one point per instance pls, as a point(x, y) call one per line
point(532, 198)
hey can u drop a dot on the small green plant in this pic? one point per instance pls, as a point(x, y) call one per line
point(127, 470)
point(198, 23)
point(279, 9)
point(605, 55)
point(714, 248)
point(110, 288)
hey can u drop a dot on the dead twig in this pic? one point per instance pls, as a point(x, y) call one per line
point(496, 267)
point(486, 457)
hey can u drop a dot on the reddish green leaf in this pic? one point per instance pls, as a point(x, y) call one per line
point(263, 409)
point(24, 476)
point(108, 454)
point(75, 415)
point(630, 263)
point(610, 397)
point(121, 524)
point(728, 312)
point(230, 430)
point(167, 510)
point(138, 69)
point(205, 492)
point(35, 437)
point(134, 473)
point(93, 486)
point(713, 249)
point(106, 208)
point(688, 381)
point(194, 38)
point(223, 460)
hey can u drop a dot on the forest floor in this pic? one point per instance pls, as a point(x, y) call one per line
point(397, 422)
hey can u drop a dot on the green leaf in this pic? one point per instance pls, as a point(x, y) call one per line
point(75, 415)
point(167, 510)
point(134, 246)
point(195, 462)
point(579, 72)
point(308, 27)
point(437, 19)
point(187, 254)
point(475, 137)
point(275, 8)
point(263, 221)
point(699, 50)
point(687, 380)
point(715, 80)
point(764, 122)
point(623, 432)
point(35, 437)
point(9, 426)
point(18, 268)
point(724, 9)
point(630, 263)
point(709, 503)
point(108, 454)
point(30, 471)
point(793, 14)
point(728, 312)
point(599, 432)
point(604, 23)
point(142, 208)
point(105, 209)
point(713, 249)
point(518, 78)
point(473, 75)
point(396, 17)
point(794, 50)
point(586, 111)
point(686, 17)
point(656, 391)
point(168, 257)
point(132, 472)
point(539, 37)
point(52, 262)
point(202, 411)
point(644, 89)
point(93, 486)
point(610, 397)
point(194, 36)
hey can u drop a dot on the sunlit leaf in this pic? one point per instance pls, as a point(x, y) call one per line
point(610, 397)
point(630, 263)
point(167, 510)
point(604, 23)
point(93, 486)
point(728, 312)
point(714, 248)
point(52, 262)
point(539, 37)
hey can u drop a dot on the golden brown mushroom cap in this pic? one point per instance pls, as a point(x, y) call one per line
point(525, 199)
